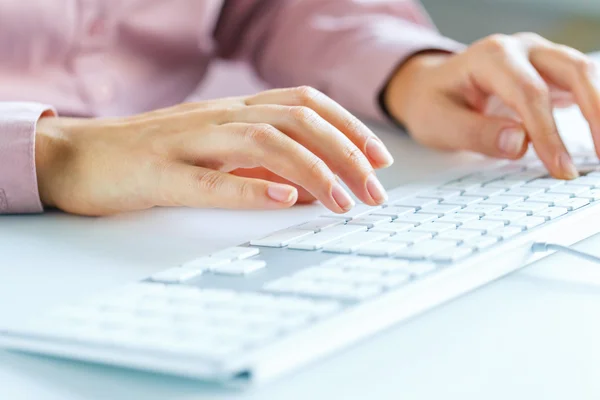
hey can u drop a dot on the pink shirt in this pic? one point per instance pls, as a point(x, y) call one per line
point(95, 58)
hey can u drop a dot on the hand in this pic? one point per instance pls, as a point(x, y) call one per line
point(447, 101)
point(183, 156)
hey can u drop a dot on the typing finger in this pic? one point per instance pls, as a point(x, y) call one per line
point(304, 196)
point(335, 114)
point(500, 66)
point(305, 126)
point(575, 72)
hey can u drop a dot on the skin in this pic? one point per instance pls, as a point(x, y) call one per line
point(280, 147)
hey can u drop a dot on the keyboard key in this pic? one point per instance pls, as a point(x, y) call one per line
point(317, 240)
point(502, 200)
point(452, 254)
point(482, 226)
point(481, 209)
point(507, 232)
point(505, 216)
point(410, 237)
point(415, 202)
point(236, 253)
point(417, 218)
point(573, 204)
point(547, 183)
point(552, 213)
point(319, 224)
point(587, 181)
point(204, 263)
point(440, 194)
point(353, 242)
point(281, 238)
point(525, 191)
point(439, 209)
point(387, 265)
point(530, 222)
point(347, 261)
point(463, 185)
point(592, 195)
point(569, 189)
point(424, 250)
point(395, 211)
point(527, 207)
point(549, 198)
point(381, 249)
point(462, 201)
point(481, 242)
point(485, 192)
point(458, 218)
point(419, 269)
point(370, 221)
point(358, 211)
point(458, 235)
point(434, 227)
point(242, 267)
point(176, 275)
point(393, 227)
point(506, 183)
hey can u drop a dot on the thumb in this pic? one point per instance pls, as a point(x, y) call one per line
point(186, 185)
point(494, 136)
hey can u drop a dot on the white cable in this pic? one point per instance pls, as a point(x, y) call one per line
point(544, 247)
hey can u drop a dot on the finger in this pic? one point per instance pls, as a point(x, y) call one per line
point(262, 145)
point(306, 127)
point(190, 186)
point(505, 70)
point(465, 129)
point(335, 114)
point(304, 197)
point(575, 72)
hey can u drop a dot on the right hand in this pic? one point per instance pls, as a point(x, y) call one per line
point(183, 156)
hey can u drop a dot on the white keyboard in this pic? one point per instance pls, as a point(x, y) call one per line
point(252, 312)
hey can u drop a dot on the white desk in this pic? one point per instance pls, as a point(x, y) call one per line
point(525, 336)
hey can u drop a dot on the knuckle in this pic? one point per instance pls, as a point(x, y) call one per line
point(497, 43)
point(303, 114)
point(307, 94)
point(261, 134)
point(210, 181)
point(245, 190)
point(353, 124)
point(354, 157)
point(317, 167)
point(584, 65)
point(534, 90)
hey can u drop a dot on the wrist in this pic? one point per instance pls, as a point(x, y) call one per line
point(407, 82)
point(51, 153)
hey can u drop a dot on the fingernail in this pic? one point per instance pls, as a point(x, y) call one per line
point(281, 193)
point(511, 141)
point(377, 152)
point(341, 197)
point(567, 166)
point(376, 190)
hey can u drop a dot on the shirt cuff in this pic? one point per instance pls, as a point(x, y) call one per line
point(18, 179)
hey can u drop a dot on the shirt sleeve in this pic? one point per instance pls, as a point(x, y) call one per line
point(346, 48)
point(18, 180)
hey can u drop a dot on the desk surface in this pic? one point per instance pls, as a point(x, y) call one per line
point(533, 334)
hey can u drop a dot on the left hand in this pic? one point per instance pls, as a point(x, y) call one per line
point(444, 100)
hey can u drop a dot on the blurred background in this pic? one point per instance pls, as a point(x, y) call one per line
point(572, 22)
